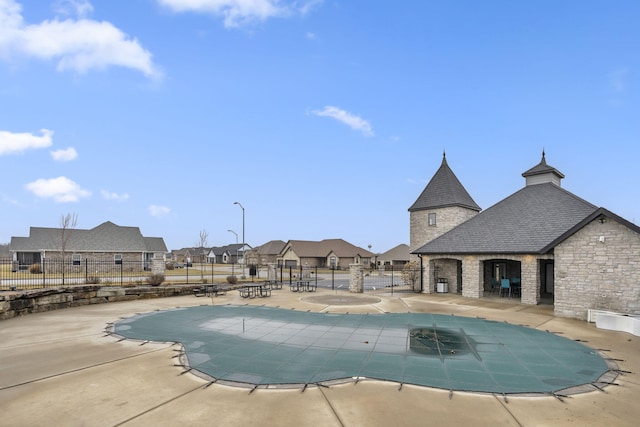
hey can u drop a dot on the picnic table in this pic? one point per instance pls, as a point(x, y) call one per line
point(252, 290)
point(303, 285)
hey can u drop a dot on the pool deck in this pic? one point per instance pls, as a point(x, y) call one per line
point(61, 368)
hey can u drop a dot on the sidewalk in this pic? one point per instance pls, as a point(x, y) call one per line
point(61, 368)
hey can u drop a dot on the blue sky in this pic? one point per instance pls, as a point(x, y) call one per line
point(324, 119)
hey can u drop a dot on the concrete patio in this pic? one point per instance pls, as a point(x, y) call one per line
point(61, 368)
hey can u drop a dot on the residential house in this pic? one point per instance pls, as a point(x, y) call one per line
point(106, 242)
point(229, 254)
point(266, 253)
point(328, 253)
point(557, 247)
point(191, 255)
point(396, 256)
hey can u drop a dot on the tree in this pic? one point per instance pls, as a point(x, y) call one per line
point(411, 273)
point(67, 225)
point(204, 236)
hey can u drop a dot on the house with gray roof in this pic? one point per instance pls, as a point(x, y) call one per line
point(106, 242)
point(549, 244)
point(266, 253)
point(396, 256)
point(328, 253)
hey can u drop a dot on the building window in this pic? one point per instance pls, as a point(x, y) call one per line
point(117, 258)
point(75, 258)
point(432, 219)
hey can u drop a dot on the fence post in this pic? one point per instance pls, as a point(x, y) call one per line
point(121, 280)
point(333, 279)
point(44, 274)
point(86, 270)
point(392, 268)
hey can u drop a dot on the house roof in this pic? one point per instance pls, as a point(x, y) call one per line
point(107, 237)
point(272, 247)
point(313, 249)
point(231, 249)
point(444, 190)
point(528, 221)
point(398, 253)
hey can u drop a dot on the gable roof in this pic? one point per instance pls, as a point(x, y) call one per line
point(107, 237)
point(528, 221)
point(444, 190)
point(398, 253)
point(313, 249)
point(272, 247)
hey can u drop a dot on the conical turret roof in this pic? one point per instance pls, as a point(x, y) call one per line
point(444, 190)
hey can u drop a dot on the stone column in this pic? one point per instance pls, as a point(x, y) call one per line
point(356, 278)
point(530, 280)
point(157, 265)
point(272, 271)
point(472, 280)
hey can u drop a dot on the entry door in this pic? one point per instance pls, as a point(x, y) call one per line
point(548, 273)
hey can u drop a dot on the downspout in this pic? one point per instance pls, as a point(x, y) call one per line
point(421, 274)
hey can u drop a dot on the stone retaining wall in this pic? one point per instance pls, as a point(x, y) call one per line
point(19, 303)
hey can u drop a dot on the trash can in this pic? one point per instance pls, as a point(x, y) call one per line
point(442, 286)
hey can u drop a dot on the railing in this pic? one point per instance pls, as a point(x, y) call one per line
point(55, 272)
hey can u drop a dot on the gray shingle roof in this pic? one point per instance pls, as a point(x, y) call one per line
point(525, 222)
point(313, 249)
point(107, 237)
point(444, 190)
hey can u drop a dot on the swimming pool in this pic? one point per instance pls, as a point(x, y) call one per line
point(277, 347)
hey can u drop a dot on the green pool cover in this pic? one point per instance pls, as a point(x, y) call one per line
point(271, 346)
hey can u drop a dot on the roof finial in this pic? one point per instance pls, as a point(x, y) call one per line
point(543, 161)
point(444, 157)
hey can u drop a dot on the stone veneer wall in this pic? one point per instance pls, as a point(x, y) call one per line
point(420, 232)
point(598, 267)
point(19, 303)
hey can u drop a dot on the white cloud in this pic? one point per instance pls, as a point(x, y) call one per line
point(240, 12)
point(60, 189)
point(80, 8)
point(78, 45)
point(19, 142)
point(65, 155)
point(107, 195)
point(351, 120)
point(311, 36)
point(155, 210)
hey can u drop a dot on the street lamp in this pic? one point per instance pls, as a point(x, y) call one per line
point(232, 263)
point(243, 241)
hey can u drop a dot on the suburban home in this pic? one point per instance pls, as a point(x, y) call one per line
point(229, 254)
point(328, 253)
point(266, 253)
point(190, 255)
point(542, 243)
point(107, 242)
point(397, 256)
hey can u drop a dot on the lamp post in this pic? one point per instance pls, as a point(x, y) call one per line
point(232, 263)
point(243, 241)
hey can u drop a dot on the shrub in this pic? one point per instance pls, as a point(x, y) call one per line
point(205, 281)
point(232, 280)
point(92, 280)
point(35, 268)
point(155, 279)
point(169, 266)
point(411, 273)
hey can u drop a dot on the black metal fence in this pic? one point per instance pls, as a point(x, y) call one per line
point(387, 278)
point(57, 272)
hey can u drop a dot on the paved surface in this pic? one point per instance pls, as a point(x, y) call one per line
point(60, 368)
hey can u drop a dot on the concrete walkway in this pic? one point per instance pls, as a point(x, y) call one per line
point(60, 368)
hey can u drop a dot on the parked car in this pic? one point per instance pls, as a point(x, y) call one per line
point(178, 265)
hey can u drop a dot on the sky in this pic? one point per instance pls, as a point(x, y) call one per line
point(322, 118)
